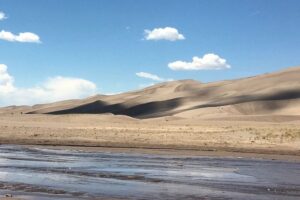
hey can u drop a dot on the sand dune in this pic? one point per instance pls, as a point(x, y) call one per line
point(268, 94)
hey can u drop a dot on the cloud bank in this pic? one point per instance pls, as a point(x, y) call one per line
point(21, 37)
point(53, 89)
point(207, 62)
point(2, 16)
point(152, 77)
point(167, 33)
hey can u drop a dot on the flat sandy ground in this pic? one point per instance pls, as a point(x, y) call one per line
point(256, 134)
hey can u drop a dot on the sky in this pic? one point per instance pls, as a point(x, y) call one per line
point(53, 50)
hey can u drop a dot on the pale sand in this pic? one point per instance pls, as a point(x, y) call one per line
point(261, 134)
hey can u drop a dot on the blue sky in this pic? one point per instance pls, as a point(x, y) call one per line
point(105, 42)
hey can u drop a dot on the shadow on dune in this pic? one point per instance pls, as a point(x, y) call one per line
point(284, 95)
point(151, 109)
point(91, 108)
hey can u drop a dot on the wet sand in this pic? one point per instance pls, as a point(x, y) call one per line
point(36, 172)
point(178, 152)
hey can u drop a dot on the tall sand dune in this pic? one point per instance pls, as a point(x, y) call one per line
point(268, 94)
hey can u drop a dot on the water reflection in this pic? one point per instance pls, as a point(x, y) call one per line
point(59, 174)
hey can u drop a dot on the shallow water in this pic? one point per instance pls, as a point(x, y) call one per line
point(41, 173)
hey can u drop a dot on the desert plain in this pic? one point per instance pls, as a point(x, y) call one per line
point(260, 134)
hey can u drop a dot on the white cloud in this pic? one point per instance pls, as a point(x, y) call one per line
point(149, 76)
point(207, 62)
point(54, 89)
point(153, 77)
point(21, 37)
point(167, 33)
point(2, 16)
point(6, 81)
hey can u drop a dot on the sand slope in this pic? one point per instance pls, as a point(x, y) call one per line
point(268, 94)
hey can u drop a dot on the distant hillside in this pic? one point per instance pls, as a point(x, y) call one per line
point(268, 94)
